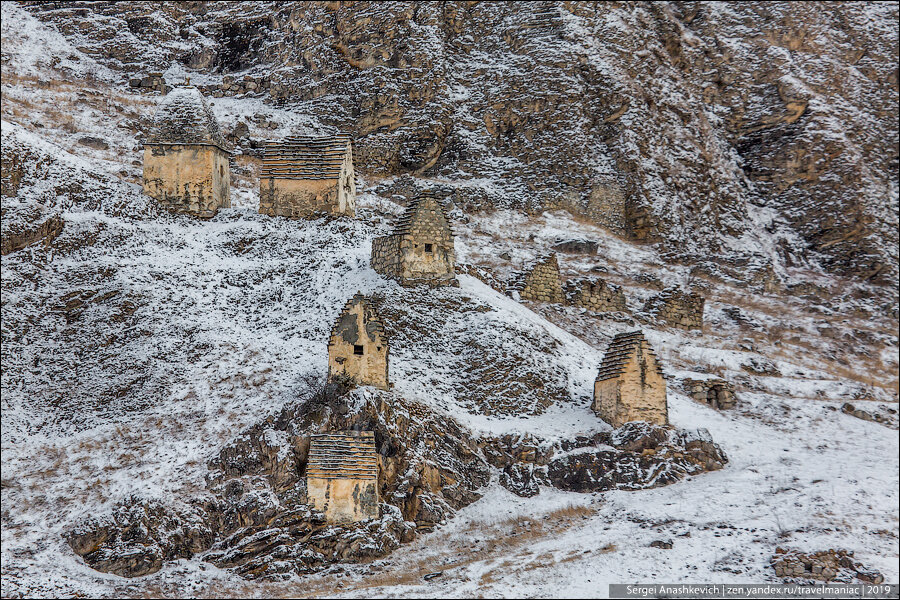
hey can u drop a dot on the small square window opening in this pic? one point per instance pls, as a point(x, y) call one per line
point(358, 350)
point(429, 248)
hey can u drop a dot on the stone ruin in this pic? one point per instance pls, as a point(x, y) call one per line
point(596, 294)
point(540, 281)
point(185, 156)
point(151, 81)
point(302, 177)
point(677, 308)
point(832, 565)
point(342, 476)
point(630, 385)
point(717, 393)
point(358, 346)
point(421, 248)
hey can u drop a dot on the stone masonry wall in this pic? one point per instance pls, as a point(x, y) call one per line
point(429, 226)
point(307, 186)
point(421, 250)
point(188, 178)
point(385, 258)
point(605, 205)
point(717, 393)
point(595, 294)
point(541, 282)
point(677, 308)
point(827, 565)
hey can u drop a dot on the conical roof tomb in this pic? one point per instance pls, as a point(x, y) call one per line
point(630, 384)
point(421, 247)
point(186, 158)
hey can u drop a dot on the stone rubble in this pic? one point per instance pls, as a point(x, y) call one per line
point(540, 281)
point(837, 566)
point(595, 294)
point(677, 308)
point(716, 393)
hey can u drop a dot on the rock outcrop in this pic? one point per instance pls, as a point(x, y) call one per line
point(139, 535)
point(635, 456)
point(254, 517)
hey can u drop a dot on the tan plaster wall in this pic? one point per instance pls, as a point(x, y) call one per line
point(222, 179)
point(190, 178)
point(371, 368)
point(347, 187)
point(606, 399)
point(344, 500)
point(418, 264)
point(638, 394)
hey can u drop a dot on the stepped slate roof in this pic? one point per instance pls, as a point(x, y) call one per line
point(305, 157)
point(619, 352)
point(184, 117)
point(342, 455)
point(409, 215)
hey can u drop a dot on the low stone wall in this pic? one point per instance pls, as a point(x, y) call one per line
point(716, 393)
point(540, 282)
point(828, 565)
point(595, 294)
point(151, 81)
point(677, 308)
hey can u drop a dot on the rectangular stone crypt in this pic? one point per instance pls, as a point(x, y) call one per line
point(342, 476)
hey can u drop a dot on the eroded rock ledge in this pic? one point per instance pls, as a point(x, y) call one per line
point(633, 457)
point(253, 517)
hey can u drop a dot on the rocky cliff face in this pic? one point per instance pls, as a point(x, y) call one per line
point(254, 518)
point(764, 133)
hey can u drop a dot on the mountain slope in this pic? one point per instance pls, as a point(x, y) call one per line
point(752, 129)
point(138, 344)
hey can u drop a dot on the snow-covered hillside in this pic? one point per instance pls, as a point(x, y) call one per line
point(137, 343)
